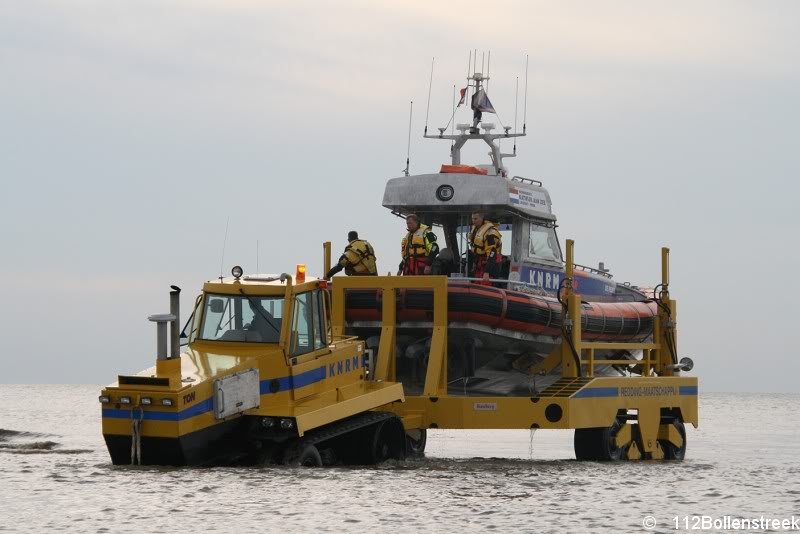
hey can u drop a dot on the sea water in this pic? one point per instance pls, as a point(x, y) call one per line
point(741, 463)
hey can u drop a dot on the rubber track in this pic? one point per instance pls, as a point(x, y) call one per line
point(339, 428)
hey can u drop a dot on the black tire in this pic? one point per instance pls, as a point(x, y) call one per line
point(671, 452)
point(415, 446)
point(598, 444)
point(387, 440)
point(302, 455)
point(584, 444)
point(379, 449)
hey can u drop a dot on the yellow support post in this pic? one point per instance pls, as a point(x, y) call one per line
point(337, 307)
point(436, 376)
point(664, 330)
point(286, 327)
point(570, 266)
point(326, 257)
point(387, 349)
point(571, 315)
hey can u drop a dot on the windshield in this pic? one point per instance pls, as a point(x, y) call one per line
point(242, 318)
point(543, 242)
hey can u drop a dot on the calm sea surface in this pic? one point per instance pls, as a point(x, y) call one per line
point(55, 475)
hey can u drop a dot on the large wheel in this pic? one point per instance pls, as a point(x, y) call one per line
point(387, 440)
point(380, 446)
point(302, 455)
point(671, 451)
point(598, 444)
point(416, 441)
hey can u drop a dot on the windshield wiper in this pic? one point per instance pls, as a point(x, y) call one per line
point(257, 308)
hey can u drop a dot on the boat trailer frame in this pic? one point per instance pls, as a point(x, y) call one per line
point(645, 408)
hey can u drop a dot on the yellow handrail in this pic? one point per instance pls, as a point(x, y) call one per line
point(656, 355)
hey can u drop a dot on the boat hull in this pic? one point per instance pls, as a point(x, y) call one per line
point(494, 335)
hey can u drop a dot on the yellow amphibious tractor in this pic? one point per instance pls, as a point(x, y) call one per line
point(269, 375)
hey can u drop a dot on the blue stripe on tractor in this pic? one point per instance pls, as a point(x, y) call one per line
point(286, 383)
point(613, 392)
point(596, 392)
point(293, 382)
point(197, 409)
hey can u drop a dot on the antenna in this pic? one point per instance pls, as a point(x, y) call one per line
point(469, 65)
point(408, 149)
point(488, 68)
point(525, 113)
point(224, 242)
point(257, 269)
point(516, 106)
point(474, 70)
point(430, 84)
point(453, 127)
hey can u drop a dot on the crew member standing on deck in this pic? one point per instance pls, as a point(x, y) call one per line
point(358, 258)
point(485, 247)
point(419, 248)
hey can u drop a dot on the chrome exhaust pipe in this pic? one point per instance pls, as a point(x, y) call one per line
point(175, 311)
point(161, 321)
point(173, 319)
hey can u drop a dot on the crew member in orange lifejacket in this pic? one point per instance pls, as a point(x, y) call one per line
point(358, 258)
point(485, 247)
point(418, 248)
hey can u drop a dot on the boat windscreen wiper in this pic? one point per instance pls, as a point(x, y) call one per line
point(257, 308)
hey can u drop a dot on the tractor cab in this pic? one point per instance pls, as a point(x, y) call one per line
point(259, 376)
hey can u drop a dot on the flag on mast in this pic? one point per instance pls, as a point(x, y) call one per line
point(463, 94)
point(480, 102)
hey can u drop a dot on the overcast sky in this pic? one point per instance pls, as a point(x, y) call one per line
point(131, 131)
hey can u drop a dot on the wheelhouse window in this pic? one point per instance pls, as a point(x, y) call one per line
point(543, 242)
point(254, 319)
point(506, 237)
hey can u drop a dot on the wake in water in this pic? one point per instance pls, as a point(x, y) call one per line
point(16, 442)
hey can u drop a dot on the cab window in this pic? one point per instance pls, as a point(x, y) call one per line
point(242, 318)
point(302, 325)
point(320, 332)
point(308, 332)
